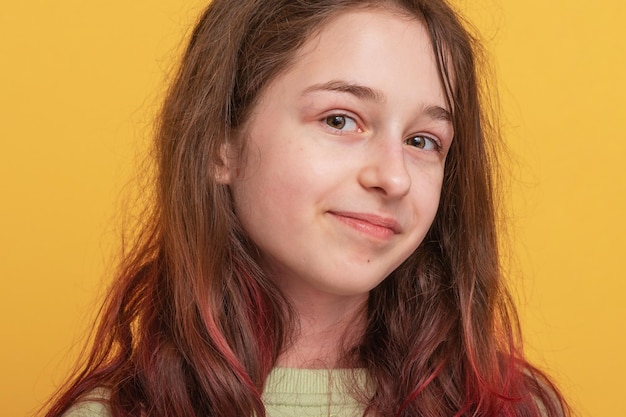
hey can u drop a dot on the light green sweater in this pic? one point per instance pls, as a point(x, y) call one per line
point(288, 393)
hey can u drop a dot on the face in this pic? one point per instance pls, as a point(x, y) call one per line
point(344, 157)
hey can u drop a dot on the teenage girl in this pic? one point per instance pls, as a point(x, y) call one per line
point(323, 235)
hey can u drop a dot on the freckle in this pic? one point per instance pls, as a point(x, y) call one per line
point(368, 261)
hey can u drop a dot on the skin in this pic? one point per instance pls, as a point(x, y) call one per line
point(342, 175)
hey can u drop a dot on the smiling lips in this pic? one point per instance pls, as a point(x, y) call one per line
point(370, 224)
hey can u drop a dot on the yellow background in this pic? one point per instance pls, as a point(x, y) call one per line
point(79, 86)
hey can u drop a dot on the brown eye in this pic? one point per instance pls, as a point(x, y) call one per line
point(341, 123)
point(421, 142)
point(336, 121)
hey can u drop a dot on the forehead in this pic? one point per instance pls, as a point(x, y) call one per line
point(361, 25)
point(375, 47)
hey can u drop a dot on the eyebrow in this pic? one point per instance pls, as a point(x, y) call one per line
point(438, 113)
point(366, 93)
point(359, 91)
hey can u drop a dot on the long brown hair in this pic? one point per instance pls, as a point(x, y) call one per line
point(192, 326)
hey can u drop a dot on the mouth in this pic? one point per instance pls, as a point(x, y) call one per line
point(379, 227)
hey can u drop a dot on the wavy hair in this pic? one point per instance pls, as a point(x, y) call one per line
point(192, 326)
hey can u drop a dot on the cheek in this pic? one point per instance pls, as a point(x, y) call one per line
point(427, 180)
point(266, 193)
point(426, 193)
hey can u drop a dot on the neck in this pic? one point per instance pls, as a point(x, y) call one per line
point(329, 325)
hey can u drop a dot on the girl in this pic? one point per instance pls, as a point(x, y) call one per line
point(323, 235)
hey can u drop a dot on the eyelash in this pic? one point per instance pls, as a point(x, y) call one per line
point(425, 138)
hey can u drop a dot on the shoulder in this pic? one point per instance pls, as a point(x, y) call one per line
point(94, 404)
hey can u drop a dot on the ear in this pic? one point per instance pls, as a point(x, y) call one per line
point(224, 166)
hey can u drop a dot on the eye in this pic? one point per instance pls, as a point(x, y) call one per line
point(422, 142)
point(341, 122)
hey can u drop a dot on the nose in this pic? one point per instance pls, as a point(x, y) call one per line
point(385, 170)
